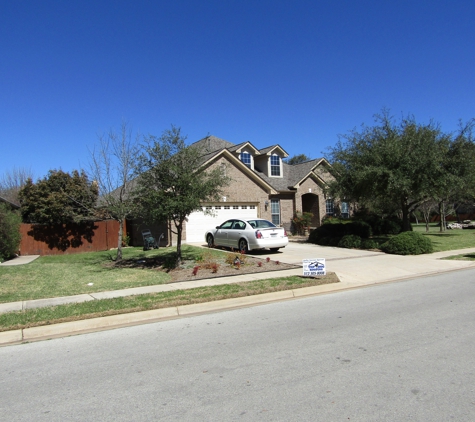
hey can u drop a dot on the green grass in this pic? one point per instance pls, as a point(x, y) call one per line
point(448, 240)
point(66, 275)
point(99, 308)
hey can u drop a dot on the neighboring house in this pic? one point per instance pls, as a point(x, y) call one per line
point(10, 204)
point(262, 186)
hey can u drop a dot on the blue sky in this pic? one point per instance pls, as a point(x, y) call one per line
point(294, 73)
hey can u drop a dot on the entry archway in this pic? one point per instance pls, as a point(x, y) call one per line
point(310, 203)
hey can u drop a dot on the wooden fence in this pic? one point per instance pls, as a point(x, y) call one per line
point(38, 239)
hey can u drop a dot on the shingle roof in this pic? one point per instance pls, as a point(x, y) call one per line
point(292, 174)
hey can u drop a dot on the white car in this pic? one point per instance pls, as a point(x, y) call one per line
point(247, 235)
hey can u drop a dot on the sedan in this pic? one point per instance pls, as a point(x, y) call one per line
point(247, 235)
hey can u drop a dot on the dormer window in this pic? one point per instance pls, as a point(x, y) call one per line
point(274, 165)
point(246, 158)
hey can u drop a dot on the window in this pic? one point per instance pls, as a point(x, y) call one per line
point(252, 207)
point(275, 165)
point(235, 207)
point(246, 158)
point(218, 207)
point(275, 211)
point(226, 207)
point(244, 207)
point(329, 206)
point(345, 213)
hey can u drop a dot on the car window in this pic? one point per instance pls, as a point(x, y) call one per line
point(239, 225)
point(261, 224)
point(226, 224)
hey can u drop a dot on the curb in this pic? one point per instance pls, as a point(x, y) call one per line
point(46, 332)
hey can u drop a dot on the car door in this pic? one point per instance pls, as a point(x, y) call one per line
point(236, 233)
point(221, 234)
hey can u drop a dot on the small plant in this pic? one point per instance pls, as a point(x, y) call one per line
point(231, 258)
point(259, 264)
point(214, 267)
point(301, 221)
point(125, 240)
point(207, 260)
point(277, 262)
point(267, 259)
point(195, 269)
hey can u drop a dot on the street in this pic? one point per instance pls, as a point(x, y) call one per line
point(392, 352)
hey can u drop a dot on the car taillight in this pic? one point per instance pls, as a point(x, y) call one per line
point(285, 233)
point(258, 234)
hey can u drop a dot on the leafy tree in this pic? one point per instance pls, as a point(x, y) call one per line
point(297, 159)
point(456, 183)
point(173, 183)
point(12, 181)
point(112, 167)
point(9, 231)
point(58, 198)
point(398, 164)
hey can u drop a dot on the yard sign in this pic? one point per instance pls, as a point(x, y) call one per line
point(313, 267)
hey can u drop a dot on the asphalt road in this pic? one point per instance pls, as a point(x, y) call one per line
point(393, 352)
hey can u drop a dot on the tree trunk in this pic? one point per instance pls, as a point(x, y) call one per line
point(119, 243)
point(406, 224)
point(442, 215)
point(179, 229)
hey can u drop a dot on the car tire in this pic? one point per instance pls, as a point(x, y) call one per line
point(210, 241)
point(243, 246)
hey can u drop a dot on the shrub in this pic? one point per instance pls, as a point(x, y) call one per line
point(408, 243)
point(350, 241)
point(369, 244)
point(388, 225)
point(9, 232)
point(359, 228)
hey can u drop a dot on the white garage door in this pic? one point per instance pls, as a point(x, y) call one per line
point(199, 222)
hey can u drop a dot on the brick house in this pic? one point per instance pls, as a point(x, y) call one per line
point(263, 186)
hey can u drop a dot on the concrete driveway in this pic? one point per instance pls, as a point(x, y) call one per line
point(356, 267)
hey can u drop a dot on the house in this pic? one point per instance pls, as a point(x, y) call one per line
point(10, 204)
point(262, 186)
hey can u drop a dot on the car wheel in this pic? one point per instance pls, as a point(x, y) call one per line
point(243, 246)
point(274, 249)
point(210, 241)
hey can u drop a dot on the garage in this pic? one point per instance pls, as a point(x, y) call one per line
point(199, 222)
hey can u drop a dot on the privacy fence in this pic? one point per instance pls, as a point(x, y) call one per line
point(39, 239)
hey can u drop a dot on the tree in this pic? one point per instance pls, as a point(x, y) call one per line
point(456, 183)
point(399, 164)
point(12, 181)
point(112, 167)
point(172, 182)
point(9, 232)
point(297, 159)
point(58, 198)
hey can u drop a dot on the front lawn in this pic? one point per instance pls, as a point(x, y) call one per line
point(448, 240)
point(66, 275)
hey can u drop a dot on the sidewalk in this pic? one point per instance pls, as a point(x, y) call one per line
point(356, 269)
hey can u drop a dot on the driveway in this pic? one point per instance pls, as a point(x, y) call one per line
point(356, 267)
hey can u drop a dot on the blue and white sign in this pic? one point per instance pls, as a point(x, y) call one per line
point(313, 267)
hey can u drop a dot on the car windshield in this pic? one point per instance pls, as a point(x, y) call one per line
point(260, 224)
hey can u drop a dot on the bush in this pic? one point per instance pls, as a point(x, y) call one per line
point(330, 234)
point(369, 244)
point(408, 243)
point(389, 225)
point(9, 232)
point(350, 241)
point(359, 228)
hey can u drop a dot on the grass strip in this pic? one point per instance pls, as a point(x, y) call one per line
point(105, 307)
